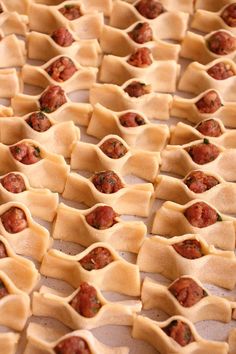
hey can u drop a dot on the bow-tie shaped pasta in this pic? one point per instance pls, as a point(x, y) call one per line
point(87, 23)
point(133, 127)
point(161, 75)
point(24, 235)
point(99, 265)
point(198, 304)
point(55, 102)
point(13, 301)
point(196, 217)
point(13, 52)
point(205, 49)
point(133, 94)
point(109, 188)
point(207, 21)
point(114, 154)
point(163, 337)
point(30, 158)
point(57, 138)
point(199, 155)
point(70, 77)
point(208, 186)
point(85, 52)
point(219, 75)
point(20, 270)
point(123, 42)
point(85, 308)
point(207, 104)
point(38, 339)
point(98, 224)
point(124, 15)
point(188, 255)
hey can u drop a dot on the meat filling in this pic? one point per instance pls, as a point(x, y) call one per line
point(141, 33)
point(62, 37)
point(86, 302)
point(222, 43)
point(113, 148)
point(137, 89)
point(199, 182)
point(131, 120)
point(210, 127)
point(180, 332)
point(150, 8)
point(52, 99)
point(229, 15)
point(203, 153)
point(71, 12)
point(26, 153)
point(221, 71)
point(98, 258)
point(39, 122)
point(72, 345)
point(14, 220)
point(190, 249)
point(102, 217)
point(201, 215)
point(107, 182)
point(61, 69)
point(187, 291)
point(209, 103)
point(141, 58)
point(13, 183)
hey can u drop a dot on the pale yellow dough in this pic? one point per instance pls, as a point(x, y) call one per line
point(118, 42)
point(124, 15)
point(49, 303)
point(85, 52)
point(150, 136)
point(21, 6)
point(222, 196)
point(180, 5)
point(119, 275)
point(12, 22)
point(153, 105)
point(210, 307)
point(170, 221)
point(33, 241)
point(71, 225)
point(12, 53)
point(141, 163)
point(177, 160)
point(161, 75)
point(8, 342)
point(6, 111)
point(20, 270)
point(212, 5)
point(216, 267)
point(46, 19)
point(185, 108)
point(195, 79)
point(135, 199)
point(41, 340)
point(79, 113)
point(151, 332)
point(10, 83)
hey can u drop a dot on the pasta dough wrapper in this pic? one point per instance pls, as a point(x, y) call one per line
point(162, 75)
point(153, 105)
point(150, 136)
point(152, 332)
point(82, 79)
point(12, 22)
point(58, 307)
point(124, 15)
point(37, 341)
point(133, 199)
point(9, 341)
point(211, 5)
point(216, 267)
point(176, 159)
point(33, 241)
point(71, 225)
point(179, 5)
point(119, 275)
point(170, 221)
point(10, 83)
point(185, 108)
point(222, 196)
point(13, 53)
point(85, 52)
point(210, 307)
point(21, 7)
point(141, 163)
point(195, 79)
point(117, 42)
point(46, 19)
